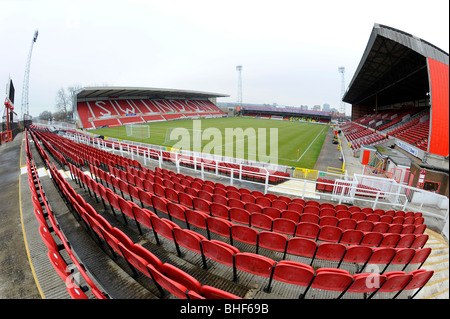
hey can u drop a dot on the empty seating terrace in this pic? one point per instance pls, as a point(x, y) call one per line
point(95, 114)
point(190, 238)
point(358, 135)
point(415, 132)
point(389, 123)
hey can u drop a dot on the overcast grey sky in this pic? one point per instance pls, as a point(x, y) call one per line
point(290, 50)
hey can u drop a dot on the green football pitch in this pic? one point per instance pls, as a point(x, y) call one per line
point(299, 144)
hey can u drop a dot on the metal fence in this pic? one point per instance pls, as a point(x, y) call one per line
point(361, 190)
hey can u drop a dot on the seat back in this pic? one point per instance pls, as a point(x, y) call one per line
point(301, 247)
point(254, 264)
point(218, 210)
point(272, 241)
point(244, 234)
point(219, 251)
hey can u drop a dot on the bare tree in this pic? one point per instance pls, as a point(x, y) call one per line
point(64, 107)
point(45, 115)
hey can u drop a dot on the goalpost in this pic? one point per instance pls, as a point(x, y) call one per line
point(138, 131)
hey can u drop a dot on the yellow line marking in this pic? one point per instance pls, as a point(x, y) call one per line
point(437, 255)
point(436, 236)
point(436, 281)
point(439, 247)
point(439, 270)
point(65, 173)
point(436, 294)
point(23, 229)
point(436, 262)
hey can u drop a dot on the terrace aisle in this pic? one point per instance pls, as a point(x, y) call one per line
point(329, 154)
point(16, 280)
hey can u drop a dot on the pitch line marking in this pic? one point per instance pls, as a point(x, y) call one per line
point(311, 144)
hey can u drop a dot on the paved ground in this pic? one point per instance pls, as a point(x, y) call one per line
point(16, 278)
point(329, 154)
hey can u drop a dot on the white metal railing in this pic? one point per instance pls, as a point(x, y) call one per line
point(372, 191)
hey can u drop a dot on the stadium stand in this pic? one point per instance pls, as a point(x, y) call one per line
point(411, 126)
point(398, 240)
point(117, 112)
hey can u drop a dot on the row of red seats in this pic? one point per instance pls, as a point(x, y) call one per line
point(278, 208)
point(281, 198)
point(367, 140)
point(364, 235)
point(48, 228)
point(289, 218)
point(80, 152)
point(200, 188)
point(164, 275)
point(135, 110)
point(254, 263)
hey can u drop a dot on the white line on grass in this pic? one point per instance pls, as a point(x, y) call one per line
point(311, 143)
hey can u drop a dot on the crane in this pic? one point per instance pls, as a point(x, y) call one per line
point(25, 109)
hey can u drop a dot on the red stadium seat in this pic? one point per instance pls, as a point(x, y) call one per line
point(419, 257)
point(347, 224)
point(253, 264)
point(311, 210)
point(272, 241)
point(244, 234)
point(291, 215)
point(303, 247)
point(295, 206)
point(263, 201)
point(171, 195)
point(328, 221)
point(219, 199)
point(186, 200)
point(419, 280)
point(366, 283)
point(210, 292)
point(307, 230)
point(143, 216)
point(330, 234)
point(330, 251)
point(239, 215)
point(332, 279)
point(202, 205)
point(390, 240)
point(197, 219)
point(273, 212)
point(190, 240)
point(351, 237)
point(292, 272)
point(280, 204)
point(372, 239)
point(219, 226)
point(218, 210)
point(176, 211)
point(382, 255)
point(219, 251)
point(253, 208)
point(163, 227)
point(261, 221)
point(395, 281)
